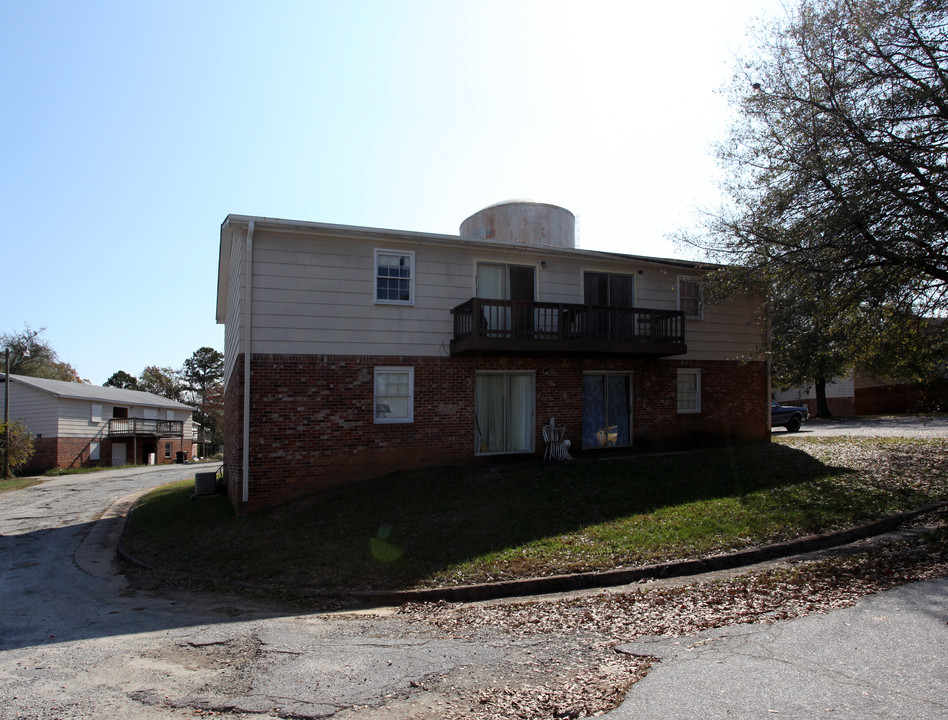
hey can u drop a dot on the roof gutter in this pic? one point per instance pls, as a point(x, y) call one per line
point(248, 346)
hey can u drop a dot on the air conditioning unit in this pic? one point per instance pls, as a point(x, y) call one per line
point(205, 483)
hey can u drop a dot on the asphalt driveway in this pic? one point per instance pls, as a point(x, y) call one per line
point(916, 426)
point(76, 641)
point(882, 658)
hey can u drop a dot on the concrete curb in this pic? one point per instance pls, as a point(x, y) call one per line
point(558, 583)
point(611, 578)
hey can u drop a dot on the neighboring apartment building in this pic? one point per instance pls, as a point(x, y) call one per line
point(80, 425)
point(862, 394)
point(373, 350)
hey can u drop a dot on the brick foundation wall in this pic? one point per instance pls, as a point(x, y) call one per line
point(840, 406)
point(44, 457)
point(312, 422)
point(66, 452)
point(234, 432)
point(902, 398)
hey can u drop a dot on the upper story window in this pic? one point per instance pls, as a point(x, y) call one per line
point(690, 296)
point(610, 289)
point(395, 277)
point(119, 412)
point(96, 413)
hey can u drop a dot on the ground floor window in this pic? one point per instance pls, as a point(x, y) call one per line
point(167, 450)
point(689, 391)
point(95, 450)
point(607, 410)
point(504, 412)
point(394, 395)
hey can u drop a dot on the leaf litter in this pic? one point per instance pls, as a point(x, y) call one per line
point(582, 675)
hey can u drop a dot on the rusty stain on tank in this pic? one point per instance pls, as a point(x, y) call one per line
point(523, 221)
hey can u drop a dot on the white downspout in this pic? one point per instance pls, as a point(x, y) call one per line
point(248, 346)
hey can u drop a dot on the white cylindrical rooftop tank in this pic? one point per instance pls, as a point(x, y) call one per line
point(525, 222)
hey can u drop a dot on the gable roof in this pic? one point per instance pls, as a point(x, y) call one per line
point(97, 393)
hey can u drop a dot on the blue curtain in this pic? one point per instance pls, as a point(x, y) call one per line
point(606, 412)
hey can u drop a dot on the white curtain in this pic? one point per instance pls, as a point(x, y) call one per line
point(490, 281)
point(520, 413)
point(492, 285)
point(489, 409)
point(504, 407)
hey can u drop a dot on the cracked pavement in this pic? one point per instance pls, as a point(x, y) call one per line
point(77, 641)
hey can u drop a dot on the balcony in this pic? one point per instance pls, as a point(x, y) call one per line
point(139, 427)
point(510, 326)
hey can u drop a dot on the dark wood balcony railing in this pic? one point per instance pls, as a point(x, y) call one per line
point(513, 326)
point(131, 427)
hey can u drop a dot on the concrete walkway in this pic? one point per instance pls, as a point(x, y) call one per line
point(884, 658)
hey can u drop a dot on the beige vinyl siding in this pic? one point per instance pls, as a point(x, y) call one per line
point(316, 295)
point(233, 327)
point(37, 409)
point(75, 419)
point(843, 388)
point(732, 330)
point(729, 331)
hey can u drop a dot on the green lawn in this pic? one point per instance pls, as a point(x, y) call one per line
point(464, 525)
point(19, 483)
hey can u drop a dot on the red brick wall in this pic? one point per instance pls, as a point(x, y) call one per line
point(64, 452)
point(902, 398)
point(234, 431)
point(840, 406)
point(44, 457)
point(312, 423)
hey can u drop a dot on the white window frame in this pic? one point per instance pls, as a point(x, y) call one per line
point(410, 255)
point(696, 373)
point(150, 413)
point(95, 450)
point(377, 405)
point(96, 413)
point(698, 283)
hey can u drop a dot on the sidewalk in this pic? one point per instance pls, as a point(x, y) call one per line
point(884, 658)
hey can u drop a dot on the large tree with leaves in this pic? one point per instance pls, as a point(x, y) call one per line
point(837, 168)
point(33, 356)
point(203, 375)
point(122, 380)
point(163, 381)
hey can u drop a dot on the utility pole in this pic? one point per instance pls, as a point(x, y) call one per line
point(6, 413)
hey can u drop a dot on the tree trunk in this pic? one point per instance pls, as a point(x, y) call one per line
point(822, 407)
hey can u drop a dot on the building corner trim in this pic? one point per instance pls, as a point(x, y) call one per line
point(248, 346)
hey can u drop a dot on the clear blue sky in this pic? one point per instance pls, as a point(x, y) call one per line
point(131, 129)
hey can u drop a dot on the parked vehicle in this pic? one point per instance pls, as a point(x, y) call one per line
point(787, 416)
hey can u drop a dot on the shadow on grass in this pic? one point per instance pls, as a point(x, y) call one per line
point(461, 525)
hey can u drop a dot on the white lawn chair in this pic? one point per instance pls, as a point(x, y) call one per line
point(557, 447)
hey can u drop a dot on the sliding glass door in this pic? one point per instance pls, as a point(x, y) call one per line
point(497, 281)
point(607, 410)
